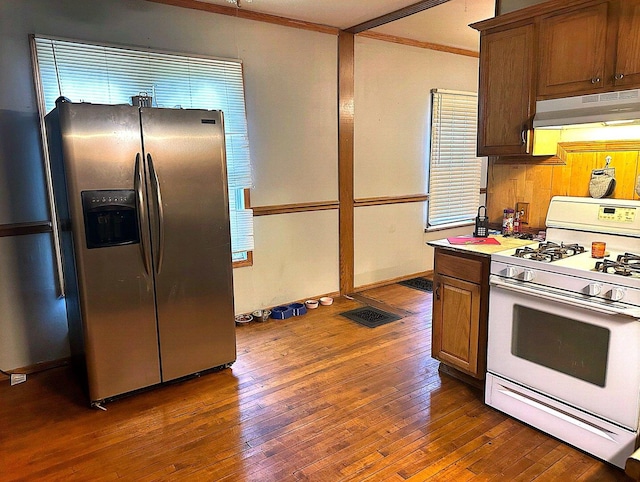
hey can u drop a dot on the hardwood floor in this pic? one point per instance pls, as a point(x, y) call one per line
point(316, 398)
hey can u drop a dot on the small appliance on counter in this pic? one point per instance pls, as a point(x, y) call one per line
point(482, 224)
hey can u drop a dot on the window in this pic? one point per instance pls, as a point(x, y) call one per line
point(454, 169)
point(112, 75)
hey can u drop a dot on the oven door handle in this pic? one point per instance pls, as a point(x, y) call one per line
point(545, 294)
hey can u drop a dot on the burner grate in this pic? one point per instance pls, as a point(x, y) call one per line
point(549, 251)
point(629, 259)
point(626, 265)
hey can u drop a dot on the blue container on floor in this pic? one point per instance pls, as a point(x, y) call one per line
point(281, 312)
point(298, 309)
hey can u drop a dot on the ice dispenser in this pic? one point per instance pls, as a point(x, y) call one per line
point(110, 218)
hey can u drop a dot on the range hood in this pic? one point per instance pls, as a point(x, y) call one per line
point(608, 108)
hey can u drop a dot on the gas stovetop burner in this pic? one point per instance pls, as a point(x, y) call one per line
point(624, 266)
point(549, 251)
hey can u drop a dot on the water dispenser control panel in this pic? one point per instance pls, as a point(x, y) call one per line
point(110, 218)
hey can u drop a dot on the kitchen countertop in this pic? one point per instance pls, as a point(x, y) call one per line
point(483, 249)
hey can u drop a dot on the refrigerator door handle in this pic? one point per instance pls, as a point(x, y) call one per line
point(137, 186)
point(160, 210)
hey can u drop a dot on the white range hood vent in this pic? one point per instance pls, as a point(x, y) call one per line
point(610, 108)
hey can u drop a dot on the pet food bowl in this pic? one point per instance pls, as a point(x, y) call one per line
point(326, 300)
point(311, 304)
point(261, 315)
point(243, 319)
point(298, 309)
point(281, 312)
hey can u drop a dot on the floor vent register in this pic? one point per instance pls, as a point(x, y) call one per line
point(370, 317)
point(421, 284)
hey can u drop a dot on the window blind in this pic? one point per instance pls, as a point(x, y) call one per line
point(454, 169)
point(103, 74)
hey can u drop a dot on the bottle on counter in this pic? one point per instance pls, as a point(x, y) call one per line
point(516, 223)
point(507, 222)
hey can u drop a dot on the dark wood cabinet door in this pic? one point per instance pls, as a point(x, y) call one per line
point(456, 318)
point(506, 93)
point(573, 51)
point(627, 69)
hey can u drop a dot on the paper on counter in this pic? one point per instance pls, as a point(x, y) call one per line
point(462, 240)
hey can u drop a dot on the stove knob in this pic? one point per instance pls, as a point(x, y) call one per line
point(616, 294)
point(510, 272)
point(528, 275)
point(594, 289)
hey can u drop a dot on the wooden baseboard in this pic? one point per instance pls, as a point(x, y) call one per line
point(380, 284)
point(37, 367)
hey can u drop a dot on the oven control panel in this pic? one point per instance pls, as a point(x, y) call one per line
point(617, 214)
point(604, 216)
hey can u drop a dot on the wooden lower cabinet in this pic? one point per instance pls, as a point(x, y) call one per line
point(460, 309)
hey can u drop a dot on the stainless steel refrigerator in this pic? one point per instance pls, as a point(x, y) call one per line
point(143, 207)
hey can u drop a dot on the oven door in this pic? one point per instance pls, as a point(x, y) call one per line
point(567, 351)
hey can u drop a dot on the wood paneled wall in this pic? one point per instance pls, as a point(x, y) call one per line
point(567, 174)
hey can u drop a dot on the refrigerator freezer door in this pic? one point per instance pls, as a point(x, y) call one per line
point(115, 291)
point(188, 203)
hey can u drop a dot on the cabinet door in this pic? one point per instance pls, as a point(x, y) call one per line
point(506, 95)
point(456, 319)
point(627, 71)
point(573, 51)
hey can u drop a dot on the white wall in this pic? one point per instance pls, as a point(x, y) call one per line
point(391, 148)
point(291, 95)
point(295, 257)
point(33, 324)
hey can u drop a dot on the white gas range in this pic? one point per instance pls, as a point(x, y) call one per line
point(564, 331)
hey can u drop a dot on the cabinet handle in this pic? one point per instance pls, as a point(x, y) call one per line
point(595, 80)
point(437, 291)
point(619, 76)
point(523, 134)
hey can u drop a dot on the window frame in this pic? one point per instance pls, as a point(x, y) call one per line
point(467, 163)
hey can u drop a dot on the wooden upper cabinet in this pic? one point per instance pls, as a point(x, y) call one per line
point(627, 66)
point(572, 51)
point(590, 49)
point(557, 48)
point(507, 95)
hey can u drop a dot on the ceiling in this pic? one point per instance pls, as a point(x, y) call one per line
point(445, 24)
